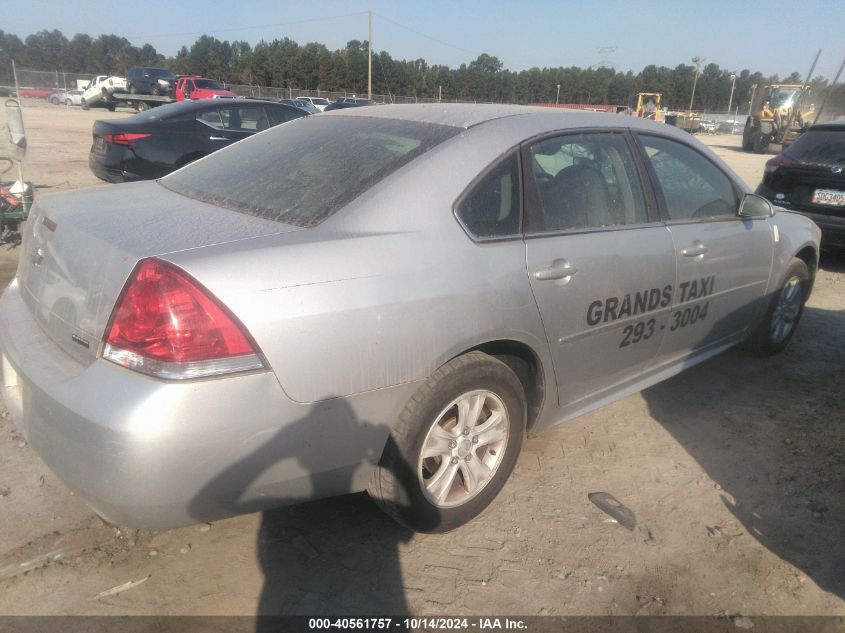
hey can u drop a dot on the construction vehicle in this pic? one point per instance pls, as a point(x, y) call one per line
point(778, 114)
point(686, 120)
point(648, 106)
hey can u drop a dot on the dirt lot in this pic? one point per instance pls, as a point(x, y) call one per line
point(735, 471)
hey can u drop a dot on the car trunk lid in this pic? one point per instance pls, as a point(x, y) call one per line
point(80, 248)
point(104, 133)
point(807, 185)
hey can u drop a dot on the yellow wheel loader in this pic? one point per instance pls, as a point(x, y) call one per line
point(778, 113)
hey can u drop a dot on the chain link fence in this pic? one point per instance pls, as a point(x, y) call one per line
point(41, 84)
point(244, 90)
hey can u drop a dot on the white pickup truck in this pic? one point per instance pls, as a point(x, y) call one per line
point(100, 89)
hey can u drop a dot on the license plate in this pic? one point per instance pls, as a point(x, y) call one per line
point(829, 196)
point(100, 145)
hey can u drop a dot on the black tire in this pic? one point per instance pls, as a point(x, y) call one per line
point(784, 312)
point(747, 133)
point(761, 142)
point(155, 90)
point(111, 106)
point(69, 102)
point(132, 89)
point(397, 485)
point(142, 106)
point(84, 105)
point(54, 100)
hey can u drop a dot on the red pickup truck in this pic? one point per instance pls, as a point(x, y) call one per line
point(200, 88)
point(35, 93)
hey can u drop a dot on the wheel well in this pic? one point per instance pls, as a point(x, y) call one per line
point(527, 367)
point(809, 256)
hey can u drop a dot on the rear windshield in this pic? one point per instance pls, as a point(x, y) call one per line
point(819, 146)
point(160, 72)
point(208, 84)
point(302, 172)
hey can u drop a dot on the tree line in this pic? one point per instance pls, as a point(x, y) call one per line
point(283, 63)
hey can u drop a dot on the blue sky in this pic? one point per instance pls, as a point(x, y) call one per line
point(521, 34)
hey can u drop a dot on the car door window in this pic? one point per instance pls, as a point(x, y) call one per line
point(491, 209)
point(693, 187)
point(585, 181)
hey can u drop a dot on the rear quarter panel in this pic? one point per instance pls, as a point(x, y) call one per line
point(383, 292)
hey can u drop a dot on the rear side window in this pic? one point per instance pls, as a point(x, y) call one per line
point(212, 118)
point(246, 118)
point(819, 146)
point(692, 186)
point(491, 209)
point(303, 172)
point(282, 115)
point(586, 181)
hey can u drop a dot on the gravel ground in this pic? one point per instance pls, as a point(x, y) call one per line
point(734, 469)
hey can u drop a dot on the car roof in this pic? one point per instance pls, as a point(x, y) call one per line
point(832, 126)
point(468, 115)
point(178, 108)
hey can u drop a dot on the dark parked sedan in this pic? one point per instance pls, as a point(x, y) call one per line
point(348, 103)
point(309, 107)
point(809, 177)
point(150, 81)
point(154, 143)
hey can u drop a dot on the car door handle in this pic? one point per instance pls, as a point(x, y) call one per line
point(694, 251)
point(555, 272)
point(217, 138)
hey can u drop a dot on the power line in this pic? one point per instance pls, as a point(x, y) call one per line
point(605, 60)
point(428, 37)
point(248, 28)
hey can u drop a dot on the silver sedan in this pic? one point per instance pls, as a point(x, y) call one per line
point(384, 299)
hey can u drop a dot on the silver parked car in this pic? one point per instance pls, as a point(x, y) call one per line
point(385, 299)
point(68, 97)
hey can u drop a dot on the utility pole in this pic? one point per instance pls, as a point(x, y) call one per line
point(829, 90)
point(799, 101)
point(733, 84)
point(751, 103)
point(557, 98)
point(697, 61)
point(370, 57)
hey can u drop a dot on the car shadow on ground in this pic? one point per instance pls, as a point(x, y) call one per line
point(833, 260)
point(773, 149)
point(335, 556)
point(771, 433)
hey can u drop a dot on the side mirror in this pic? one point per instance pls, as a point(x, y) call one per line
point(15, 140)
point(754, 206)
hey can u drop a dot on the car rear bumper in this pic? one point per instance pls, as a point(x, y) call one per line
point(153, 454)
point(832, 226)
point(110, 173)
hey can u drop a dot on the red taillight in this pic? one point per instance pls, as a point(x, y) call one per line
point(125, 139)
point(781, 160)
point(166, 324)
